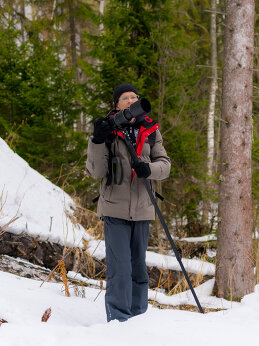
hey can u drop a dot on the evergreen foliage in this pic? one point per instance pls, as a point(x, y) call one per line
point(39, 104)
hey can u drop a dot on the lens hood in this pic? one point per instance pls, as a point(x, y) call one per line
point(141, 107)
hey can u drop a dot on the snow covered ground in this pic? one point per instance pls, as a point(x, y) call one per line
point(43, 211)
point(81, 321)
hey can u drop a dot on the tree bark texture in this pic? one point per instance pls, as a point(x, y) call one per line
point(234, 269)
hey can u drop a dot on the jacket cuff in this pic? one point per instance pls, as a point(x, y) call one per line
point(158, 172)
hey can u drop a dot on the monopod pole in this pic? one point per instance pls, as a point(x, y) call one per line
point(153, 200)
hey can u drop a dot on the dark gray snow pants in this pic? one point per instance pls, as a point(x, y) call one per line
point(127, 279)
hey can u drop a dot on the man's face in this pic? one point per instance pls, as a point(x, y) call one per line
point(126, 99)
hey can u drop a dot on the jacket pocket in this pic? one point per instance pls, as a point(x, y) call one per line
point(143, 199)
point(105, 191)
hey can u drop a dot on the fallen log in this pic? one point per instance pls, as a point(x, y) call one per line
point(47, 254)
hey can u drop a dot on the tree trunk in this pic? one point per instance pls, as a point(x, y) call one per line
point(22, 19)
point(73, 44)
point(101, 10)
point(162, 46)
point(234, 269)
point(211, 115)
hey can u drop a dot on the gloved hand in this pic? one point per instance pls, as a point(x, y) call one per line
point(102, 129)
point(142, 169)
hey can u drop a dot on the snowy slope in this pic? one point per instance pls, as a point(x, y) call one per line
point(40, 205)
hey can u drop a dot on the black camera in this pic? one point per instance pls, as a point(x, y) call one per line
point(123, 117)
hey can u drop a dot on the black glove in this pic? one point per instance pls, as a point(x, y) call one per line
point(142, 169)
point(102, 129)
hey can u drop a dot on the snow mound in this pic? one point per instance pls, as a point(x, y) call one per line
point(42, 208)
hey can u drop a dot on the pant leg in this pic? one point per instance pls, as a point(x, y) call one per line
point(118, 297)
point(139, 243)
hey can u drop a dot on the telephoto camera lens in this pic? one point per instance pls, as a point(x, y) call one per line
point(123, 117)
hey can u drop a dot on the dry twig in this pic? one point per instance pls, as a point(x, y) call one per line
point(158, 285)
point(61, 270)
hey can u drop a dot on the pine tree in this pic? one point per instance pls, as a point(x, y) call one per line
point(39, 102)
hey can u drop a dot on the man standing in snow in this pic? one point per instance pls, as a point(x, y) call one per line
point(124, 204)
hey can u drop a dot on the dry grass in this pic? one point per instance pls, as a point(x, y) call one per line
point(158, 285)
point(61, 270)
point(89, 220)
point(182, 285)
point(3, 228)
point(79, 291)
point(186, 307)
point(3, 199)
point(196, 280)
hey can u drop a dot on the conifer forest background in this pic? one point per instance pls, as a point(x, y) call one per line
point(60, 61)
